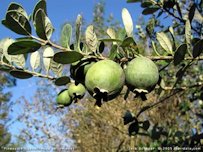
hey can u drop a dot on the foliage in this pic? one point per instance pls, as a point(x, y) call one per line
point(177, 51)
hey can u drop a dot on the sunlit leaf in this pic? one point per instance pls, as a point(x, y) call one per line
point(78, 28)
point(18, 60)
point(188, 34)
point(66, 34)
point(23, 47)
point(20, 74)
point(113, 52)
point(180, 54)
point(44, 28)
point(164, 42)
point(35, 60)
point(127, 21)
point(91, 38)
point(17, 7)
point(47, 57)
point(4, 44)
point(67, 57)
point(40, 5)
point(57, 68)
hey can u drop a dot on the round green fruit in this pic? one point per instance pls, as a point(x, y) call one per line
point(141, 75)
point(79, 69)
point(63, 98)
point(105, 79)
point(76, 90)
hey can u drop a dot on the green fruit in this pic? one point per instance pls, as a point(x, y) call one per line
point(63, 98)
point(79, 69)
point(76, 90)
point(105, 79)
point(141, 74)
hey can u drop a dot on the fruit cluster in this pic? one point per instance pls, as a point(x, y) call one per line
point(104, 79)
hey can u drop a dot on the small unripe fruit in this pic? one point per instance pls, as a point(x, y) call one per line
point(63, 98)
point(141, 74)
point(79, 69)
point(106, 78)
point(76, 90)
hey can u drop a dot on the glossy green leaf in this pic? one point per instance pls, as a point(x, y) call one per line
point(20, 74)
point(17, 7)
point(197, 49)
point(17, 22)
point(40, 5)
point(164, 42)
point(62, 81)
point(67, 57)
point(23, 47)
point(91, 38)
point(180, 54)
point(145, 4)
point(191, 12)
point(133, 1)
point(150, 10)
point(66, 34)
point(35, 60)
point(128, 22)
point(44, 28)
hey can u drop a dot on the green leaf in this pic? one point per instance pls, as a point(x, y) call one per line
point(44, 28)
point(78, 29)
point(47, 57)
point(66, 34)
point(18, 8)
point(128, 117)
point(127, 21)
point(57, 68)
point(67, 57)
point(197, 49)
point(146, 4)
point(129, 42)
point(17, 22)
point(18, 60)
point(150, 10)
point(112, 34)
point(62, 81)
point(110, 40)
point(91, 38)
point(188, 34)
point(191, 12)
point(35, 60)
point(133, 1)
point(20, 74)
point(165, 42)
point(23, 47)
point(113, 52)
point(40, 5)
point(4, 44)
point(180, 54)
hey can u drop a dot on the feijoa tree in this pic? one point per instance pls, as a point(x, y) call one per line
point(104, 73)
